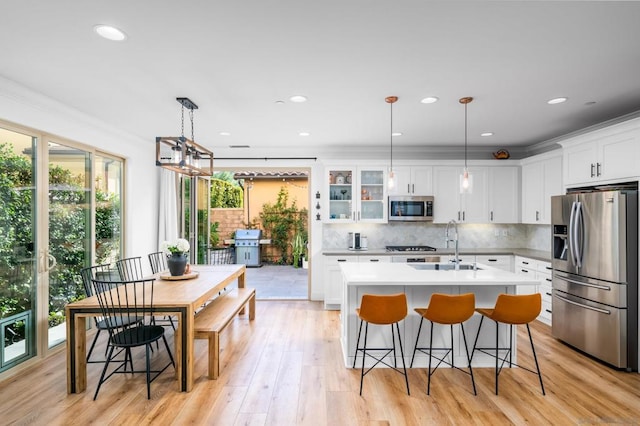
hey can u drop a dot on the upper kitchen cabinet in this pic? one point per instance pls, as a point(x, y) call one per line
point(493, 199)
point(503, 189)
point(356, 195)
point(412, 181)
point(449, 204)
point(608, 154)
point(541, 179)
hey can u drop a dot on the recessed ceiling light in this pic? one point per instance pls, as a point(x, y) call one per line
point(109, 32)
point(224, 134)
point(304, 134)
point(557, 100)
point(298, 98)
point(486, 134)
point(590, 103)
point(430, 100)
point(396, 134)
point(279, 102)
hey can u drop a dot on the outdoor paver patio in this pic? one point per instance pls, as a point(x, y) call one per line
point(278, 282)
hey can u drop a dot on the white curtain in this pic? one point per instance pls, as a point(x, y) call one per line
point(168, 208)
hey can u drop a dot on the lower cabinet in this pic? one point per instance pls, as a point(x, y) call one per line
point(503, 261)
point(333, 287)
point(542, 271)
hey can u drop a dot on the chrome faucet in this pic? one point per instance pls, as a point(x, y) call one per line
point(447, 239)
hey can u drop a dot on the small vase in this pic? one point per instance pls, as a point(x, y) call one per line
point(177, 263)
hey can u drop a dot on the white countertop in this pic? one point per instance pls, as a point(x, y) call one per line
point(403, 274)
point(544, 255)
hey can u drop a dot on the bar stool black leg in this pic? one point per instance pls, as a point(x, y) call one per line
point(404, 367)
point(364, 350)
point(415, 348)
point(497, 357)
point(535, 358)
point(466, 348)
point(393, 342)
point(475, 343)
point(430, 350)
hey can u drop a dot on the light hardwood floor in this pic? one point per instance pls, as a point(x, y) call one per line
point(285, 368)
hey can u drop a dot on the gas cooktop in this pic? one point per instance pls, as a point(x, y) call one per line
point(410, 248)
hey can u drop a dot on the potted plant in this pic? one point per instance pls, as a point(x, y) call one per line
point(298, 249)
point(176, 255)
point(305, 257)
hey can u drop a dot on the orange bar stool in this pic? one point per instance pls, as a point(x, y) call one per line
point(381, 310)
point(513, 310)
point(449, 310)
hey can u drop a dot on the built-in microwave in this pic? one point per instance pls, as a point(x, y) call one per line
point(411, 208)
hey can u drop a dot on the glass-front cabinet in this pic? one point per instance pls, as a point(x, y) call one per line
point(356, 195)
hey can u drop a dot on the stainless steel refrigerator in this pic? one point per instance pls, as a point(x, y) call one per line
point(595, 273)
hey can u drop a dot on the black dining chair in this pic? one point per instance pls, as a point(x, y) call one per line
point(126, 301)
point(106, 273)
point(158, 262)
point(130, 268)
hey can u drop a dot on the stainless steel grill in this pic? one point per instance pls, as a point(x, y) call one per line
point(247, 243)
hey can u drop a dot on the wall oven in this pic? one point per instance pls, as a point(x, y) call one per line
point(411, 208)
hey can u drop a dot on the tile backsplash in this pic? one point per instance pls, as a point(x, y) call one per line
point(537, 237)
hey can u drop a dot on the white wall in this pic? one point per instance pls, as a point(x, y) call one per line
point(30, 109)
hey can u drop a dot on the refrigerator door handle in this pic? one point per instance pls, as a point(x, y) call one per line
point(579, 234)
point(599, 287)
point(572, 245)
point(602, 311)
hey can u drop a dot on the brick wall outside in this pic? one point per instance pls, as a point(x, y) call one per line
point(230, 220)
point(233, 219)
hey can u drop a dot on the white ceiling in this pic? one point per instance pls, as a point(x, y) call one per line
point(235, 59)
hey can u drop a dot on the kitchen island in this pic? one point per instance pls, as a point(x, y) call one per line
point(418, 282)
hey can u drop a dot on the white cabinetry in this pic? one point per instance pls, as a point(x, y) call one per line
point(333, 286)
point(412, 181)
point(539, 270)
point(503, 188)
point(503, 261)
point(333, 280)
point(356, 195)
point(493, 199)
point(603, 155)
point(541, 179)
point(450, 204)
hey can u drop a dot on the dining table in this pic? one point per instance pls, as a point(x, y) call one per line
point(178, 297)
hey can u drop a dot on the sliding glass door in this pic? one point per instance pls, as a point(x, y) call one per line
point(195, 221)
point(18, 255)
point(60, 211)
point(69, 222)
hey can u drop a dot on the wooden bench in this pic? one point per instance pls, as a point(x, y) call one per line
point(214, 317)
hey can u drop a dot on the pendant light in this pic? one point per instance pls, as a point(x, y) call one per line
point(466, 180)
point(392, 178)
point(181, 154)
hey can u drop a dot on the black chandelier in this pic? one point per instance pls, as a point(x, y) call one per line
point(183, 155)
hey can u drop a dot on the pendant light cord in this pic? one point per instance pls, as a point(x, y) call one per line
point(465, 136)
point(391, 137)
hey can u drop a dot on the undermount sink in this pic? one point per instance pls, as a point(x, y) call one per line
point(441, 267)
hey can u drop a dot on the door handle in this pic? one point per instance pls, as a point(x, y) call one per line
point(537, 215)
point(413, 188)
point(598, 166)
point(571, 302)
point(463, 219)
point(408, 189)
point(593, 170)
point(491, 216)
point(599, 287)
point(458, 214)
point(51, 261)
point(41, 263)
